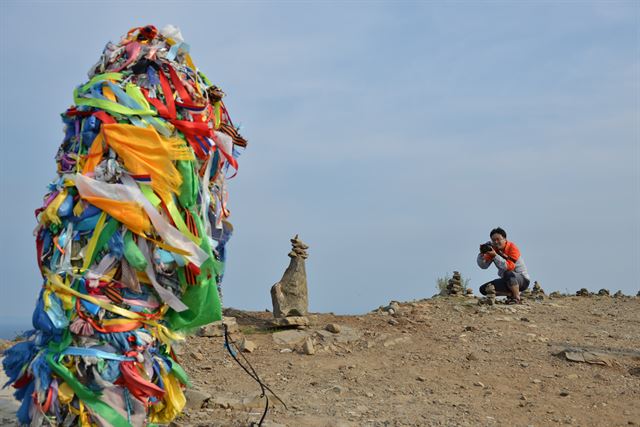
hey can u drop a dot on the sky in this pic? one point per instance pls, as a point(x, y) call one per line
point(391, 136)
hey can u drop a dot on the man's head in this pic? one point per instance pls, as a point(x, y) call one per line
point(498, 238)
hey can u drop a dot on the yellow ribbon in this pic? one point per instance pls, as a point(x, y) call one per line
point(91, 247)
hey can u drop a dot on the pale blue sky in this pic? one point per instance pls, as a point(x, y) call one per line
point(391, 135)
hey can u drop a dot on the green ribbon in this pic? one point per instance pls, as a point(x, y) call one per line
point(179, 373)
point(202, 298)
point(107, 105)
point(107, 232)
point(132, 253)
point(189, 187)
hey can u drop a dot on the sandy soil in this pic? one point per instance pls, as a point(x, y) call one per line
point(437, 362)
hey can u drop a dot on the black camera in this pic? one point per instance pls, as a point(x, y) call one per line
point(485, 247)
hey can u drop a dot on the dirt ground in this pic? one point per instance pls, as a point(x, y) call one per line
point(435, 362)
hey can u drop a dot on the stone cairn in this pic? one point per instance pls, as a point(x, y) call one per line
point(584, 292)
point(537, 292)
point(290, 295)
point(454, 287)
point(618, 294)
point(490, 297)
point(604, 292)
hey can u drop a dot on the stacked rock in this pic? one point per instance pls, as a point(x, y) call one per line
point(618, 294)
point(490, 294)
point(604, 292)
point(290, 295)
point(454, 287)
point(584, 292)
point(298, 248)
point(537, 292)
point(469, 292)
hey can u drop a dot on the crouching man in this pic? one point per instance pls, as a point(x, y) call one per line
point(511, 269)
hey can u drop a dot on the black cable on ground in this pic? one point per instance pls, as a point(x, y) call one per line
point(253, 374)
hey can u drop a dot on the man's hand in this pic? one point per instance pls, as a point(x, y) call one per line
point(492, 252)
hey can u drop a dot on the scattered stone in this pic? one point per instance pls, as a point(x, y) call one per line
point(564, 393)
point(307, 347)
point(216, 329)
point(618, 294)
point(289, 337)
point(536, 381)
point(392, 322)
point(470, 328)
point(478, 384)
point(346, 335)
point(290, 295)
point(588, 357)
point(584, 292)
point(472, 356)
point(395, 341)
point(195, 398)
point(555, 294)
point(246, 346)
point(421, 378)
point(299, 322)
point(337, 389)
point(604, 292)
point(332, 327)
point(392, 309)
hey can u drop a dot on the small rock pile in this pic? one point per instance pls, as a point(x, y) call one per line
point(618, 294)
point(584, 292)
point(490, 297)
point(454, 287)
point(604, 292)
point(537, 292)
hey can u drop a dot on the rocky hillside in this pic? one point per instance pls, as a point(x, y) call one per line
point(436, 362)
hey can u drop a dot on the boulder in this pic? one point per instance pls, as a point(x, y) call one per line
point(307, 347)
point(216, 329)
point(246, 346)
point(195, 398)
point(332, 327)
